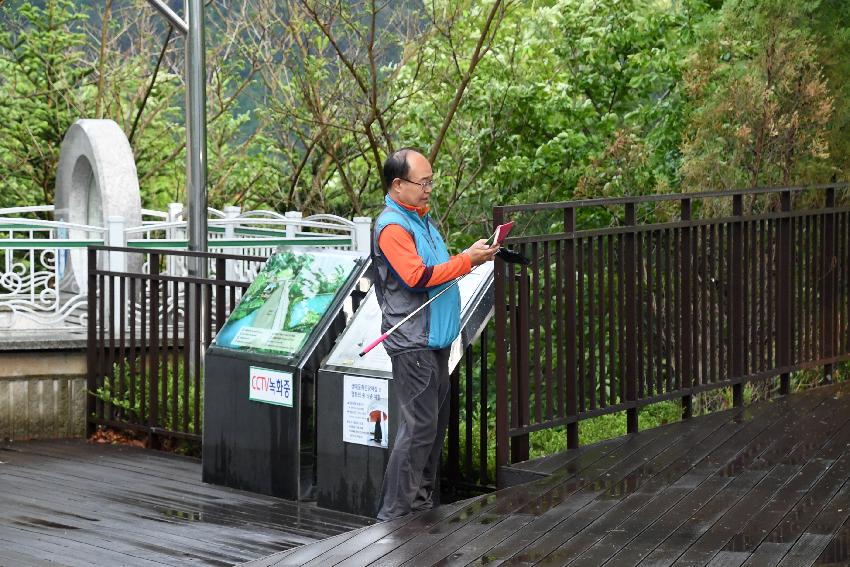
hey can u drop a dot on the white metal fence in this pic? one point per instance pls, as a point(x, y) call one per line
point(43, 269)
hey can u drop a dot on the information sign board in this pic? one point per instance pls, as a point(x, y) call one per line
point(365, 411)
point(286, 301)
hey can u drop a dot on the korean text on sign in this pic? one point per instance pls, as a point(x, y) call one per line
point(270, 386)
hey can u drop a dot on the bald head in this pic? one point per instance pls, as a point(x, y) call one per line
point(397, 166)
point(408, 177)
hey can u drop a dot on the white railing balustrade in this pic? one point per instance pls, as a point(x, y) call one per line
point(34, 257)
point(43, 279)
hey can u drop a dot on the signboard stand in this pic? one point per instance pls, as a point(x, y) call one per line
point(352, 393)
point(260, 373)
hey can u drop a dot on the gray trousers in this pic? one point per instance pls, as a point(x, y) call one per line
point(421, 386)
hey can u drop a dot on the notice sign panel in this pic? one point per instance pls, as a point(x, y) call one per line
point(287, 300)
point(365, 411)
point(280, 341)
point(270, 386)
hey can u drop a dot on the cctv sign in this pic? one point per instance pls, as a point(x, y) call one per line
point(270, 386)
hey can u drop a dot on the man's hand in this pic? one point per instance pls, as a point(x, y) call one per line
point(479, 252)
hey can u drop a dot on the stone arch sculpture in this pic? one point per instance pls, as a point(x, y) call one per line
point(96, 179)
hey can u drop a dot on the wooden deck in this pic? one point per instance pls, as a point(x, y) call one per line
point(77, 504)
point(763, 486)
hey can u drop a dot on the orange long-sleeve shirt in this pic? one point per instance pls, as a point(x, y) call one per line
point(399, 249)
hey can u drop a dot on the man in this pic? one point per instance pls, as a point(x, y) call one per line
point(413, 265)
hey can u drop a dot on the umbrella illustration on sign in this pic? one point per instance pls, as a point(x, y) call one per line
point(379, 416)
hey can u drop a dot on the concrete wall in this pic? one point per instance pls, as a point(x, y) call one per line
point(42, 393)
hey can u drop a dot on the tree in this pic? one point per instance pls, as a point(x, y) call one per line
point(62, 62)
point(624, 62)
point(577, 98)
point(43, 89)
point(760, 106)
point(831, 25)
point(145, 73)
point(514, 101)
point(341, 88)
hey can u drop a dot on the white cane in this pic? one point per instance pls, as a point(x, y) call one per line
point(381, 339)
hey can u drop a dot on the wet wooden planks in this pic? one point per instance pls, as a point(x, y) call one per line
point(73, 503)
point(766, 485)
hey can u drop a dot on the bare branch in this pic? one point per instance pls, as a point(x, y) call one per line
point(104, 32)
point(150, 85)
point(373, 99)
point(473, 62)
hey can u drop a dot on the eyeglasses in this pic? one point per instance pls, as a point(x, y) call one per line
point(424, 185)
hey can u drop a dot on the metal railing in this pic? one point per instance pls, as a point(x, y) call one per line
point(627, 302)
point(468, 465)
point(34, 257)
point(140, 376)
point(39, 258)
point(633, 301)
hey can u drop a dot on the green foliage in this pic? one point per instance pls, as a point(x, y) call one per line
point(759, 106)
point(171, 384)
point(718, 400)
point(566, 98)
point(43, 89)
point(576, 98)
point(603, 427)
point(831, 26)
point(623, 59)
point(50, 75)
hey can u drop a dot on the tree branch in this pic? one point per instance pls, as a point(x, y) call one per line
point(101, 78)
point(150, 86)
point(373, 69)
point(473, 62)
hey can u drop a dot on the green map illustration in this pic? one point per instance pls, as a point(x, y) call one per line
point(286, 301)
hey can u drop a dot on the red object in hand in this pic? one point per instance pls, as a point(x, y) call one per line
point(501, 233)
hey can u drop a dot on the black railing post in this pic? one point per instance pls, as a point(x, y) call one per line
point(521, 394)
point(107, 406)
point(469, 359)
point(153, 365)
point(453, 472)
point(686, 310)
point(92, 369)
point(736, 298)
point(502, 347)
point(784, 295)
point(122, 341)
point(102, 365)
point(483, 442)
point(631, 299)
point(195, 301)
point(828, 286)
point(571, 358)
point(220, 295)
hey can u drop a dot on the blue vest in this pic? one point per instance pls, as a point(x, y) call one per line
point(439, 323)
